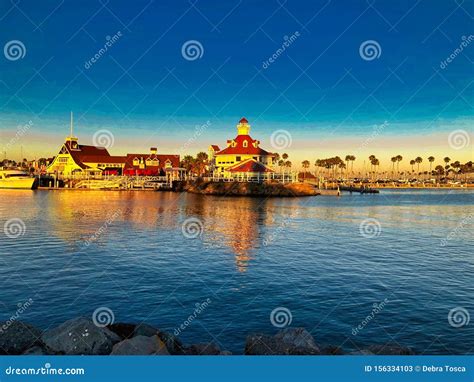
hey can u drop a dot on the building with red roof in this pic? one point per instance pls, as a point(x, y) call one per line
point(76, 159)
point(242, 155)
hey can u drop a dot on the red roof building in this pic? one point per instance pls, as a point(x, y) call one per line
point(243, 154)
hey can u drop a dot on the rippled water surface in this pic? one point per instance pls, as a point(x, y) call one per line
point(126, 250)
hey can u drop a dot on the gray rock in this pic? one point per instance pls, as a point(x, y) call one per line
point(35, 350)
point(140, 345)
point(80, 336)
point(298, 338)
point(17, 336)
point(173, 344)
point(203, 349)
point(361, 352)
point(290, 341)
point(145, 330)
point(390, 349)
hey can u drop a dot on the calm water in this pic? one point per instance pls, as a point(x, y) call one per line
point(315, 263)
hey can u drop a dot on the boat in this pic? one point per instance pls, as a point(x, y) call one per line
point(17, 179)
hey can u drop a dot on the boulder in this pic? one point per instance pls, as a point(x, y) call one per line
point(173, 344)
point(145, 330)
point(123, 330)
point(361, 352)
point(35, 350)
point(17, 336)
point(80, 336)
point(290, 341)
point(140, 345)
point(332, 350)
point(390, 349)
point(203, 349)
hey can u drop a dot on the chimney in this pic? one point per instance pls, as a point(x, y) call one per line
point(153, 150)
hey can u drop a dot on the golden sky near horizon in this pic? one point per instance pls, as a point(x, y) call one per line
point(34, 145)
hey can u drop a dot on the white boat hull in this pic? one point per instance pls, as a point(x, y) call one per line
point(24, 183)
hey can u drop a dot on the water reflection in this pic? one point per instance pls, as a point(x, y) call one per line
point(233, 223)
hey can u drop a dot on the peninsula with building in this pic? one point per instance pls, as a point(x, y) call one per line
point(239, 168)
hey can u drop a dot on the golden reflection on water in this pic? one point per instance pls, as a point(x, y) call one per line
point(234, 223)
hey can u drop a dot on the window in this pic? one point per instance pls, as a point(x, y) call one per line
point(136, 162)
point(168, 163)
point(246, 144)
point(238, 159)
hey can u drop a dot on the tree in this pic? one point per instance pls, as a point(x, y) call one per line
point(284, 156)
point(200, 163)
point(431, 159)
point(187, 163)
point(394, 160)
point(399, 159)
point(305, 165)
point(418, 160)
point(281, 163)
point(412, 164)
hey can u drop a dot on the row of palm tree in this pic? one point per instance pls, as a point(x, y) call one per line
point(336, 162)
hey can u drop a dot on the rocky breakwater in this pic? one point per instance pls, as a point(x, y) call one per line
point(80, 336)
point(268, 189)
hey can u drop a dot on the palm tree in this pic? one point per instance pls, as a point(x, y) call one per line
point(353, 158)
point(285, 156)
point(281, 163)
point(418, 160)
point(394, 160)
point(187, 163)
point(431, 159)
point(305, 165)
point(399, 159)
point(412, 164)
point(201, 162)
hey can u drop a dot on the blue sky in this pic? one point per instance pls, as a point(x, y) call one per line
point(319, 88)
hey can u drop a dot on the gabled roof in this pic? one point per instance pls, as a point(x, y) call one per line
point(215, 148)
point(249, 165)
point(240, 149)
point(162, 158)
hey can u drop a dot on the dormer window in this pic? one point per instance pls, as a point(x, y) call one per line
point(255, 144)
point(168, 163)
point(245, 144)
point(234, 144)
point(136, 162)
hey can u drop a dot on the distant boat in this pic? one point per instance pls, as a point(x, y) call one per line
point(17, 179)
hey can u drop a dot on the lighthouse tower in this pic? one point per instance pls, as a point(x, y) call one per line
point(243, 128)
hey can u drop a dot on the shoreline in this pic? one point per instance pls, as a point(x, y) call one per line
point(84, 336)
